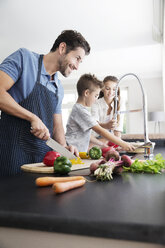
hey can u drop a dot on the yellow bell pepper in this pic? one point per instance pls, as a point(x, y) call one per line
point(84, 155)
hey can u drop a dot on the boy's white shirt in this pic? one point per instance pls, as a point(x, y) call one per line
point(78, 128)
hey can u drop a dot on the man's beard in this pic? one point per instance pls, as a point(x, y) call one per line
point(63, 65)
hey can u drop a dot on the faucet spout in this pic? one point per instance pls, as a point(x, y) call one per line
point(144, 97)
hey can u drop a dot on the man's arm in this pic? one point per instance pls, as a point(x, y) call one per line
point(58, 129)
point(10, 106)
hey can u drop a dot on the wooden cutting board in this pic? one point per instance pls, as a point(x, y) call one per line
point(41, 168)
point(136, 145)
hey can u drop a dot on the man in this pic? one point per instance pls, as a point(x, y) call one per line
point(31, 97)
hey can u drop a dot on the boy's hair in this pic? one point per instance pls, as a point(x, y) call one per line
point(73, 40)
point(88, 82)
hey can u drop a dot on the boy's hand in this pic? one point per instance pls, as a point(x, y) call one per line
point(128, 147)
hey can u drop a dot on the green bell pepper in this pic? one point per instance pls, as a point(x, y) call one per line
point(95, 152)
point(62, 165)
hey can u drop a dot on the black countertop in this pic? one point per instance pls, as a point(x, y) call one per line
point(130, 207)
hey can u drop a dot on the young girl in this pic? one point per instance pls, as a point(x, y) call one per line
point(103, 110)
point(80, 122)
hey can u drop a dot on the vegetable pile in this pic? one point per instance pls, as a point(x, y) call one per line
point(104, 169)
point(114, 164)
point(157, 165)
point(62, 165)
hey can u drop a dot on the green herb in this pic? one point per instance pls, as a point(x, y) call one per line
point(149, 166)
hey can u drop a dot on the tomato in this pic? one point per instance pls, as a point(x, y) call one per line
point(50, 157)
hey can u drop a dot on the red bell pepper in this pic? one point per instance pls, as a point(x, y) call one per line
point(50, 157)
point(112, 144)
point(105, 150)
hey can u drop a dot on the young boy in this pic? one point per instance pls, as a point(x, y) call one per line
point(80, 122)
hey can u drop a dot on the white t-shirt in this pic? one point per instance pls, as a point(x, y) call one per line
point(78, 128)
point(99, 112)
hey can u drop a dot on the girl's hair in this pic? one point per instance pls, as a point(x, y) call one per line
point(73, 40)
point(113, 79)
point(88, 82)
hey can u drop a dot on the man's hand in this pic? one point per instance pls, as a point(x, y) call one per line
point(73, 150)
point(39, 129)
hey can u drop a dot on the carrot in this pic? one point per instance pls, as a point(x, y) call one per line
point(47, 181)
point(65, 186)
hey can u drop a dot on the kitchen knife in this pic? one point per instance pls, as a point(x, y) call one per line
point(59, 148)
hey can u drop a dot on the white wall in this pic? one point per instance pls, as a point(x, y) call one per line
point(154, 93)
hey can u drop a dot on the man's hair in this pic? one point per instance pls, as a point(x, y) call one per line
point(73, 40)
point(88, 82)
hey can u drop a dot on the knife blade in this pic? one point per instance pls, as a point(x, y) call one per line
point(59, 148)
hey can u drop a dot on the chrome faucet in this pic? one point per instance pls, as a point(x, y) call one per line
point(148, 145)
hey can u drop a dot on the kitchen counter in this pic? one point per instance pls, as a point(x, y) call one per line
point(130, 207)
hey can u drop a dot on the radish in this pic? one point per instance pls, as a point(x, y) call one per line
point(112, 154)
point(104, 171)
point(127, 161)
point(95, 165)
point(105, 150)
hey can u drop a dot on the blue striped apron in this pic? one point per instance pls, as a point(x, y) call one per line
point(17, 145)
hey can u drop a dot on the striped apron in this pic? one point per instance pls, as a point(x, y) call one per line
point(17, 145)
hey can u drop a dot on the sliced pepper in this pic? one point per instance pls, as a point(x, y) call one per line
point(62, 165)
point(76, 161)
point(95, 152)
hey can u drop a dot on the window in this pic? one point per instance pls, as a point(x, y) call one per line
point(70, 98)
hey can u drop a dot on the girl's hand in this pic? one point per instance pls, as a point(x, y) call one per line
point(111, 124)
